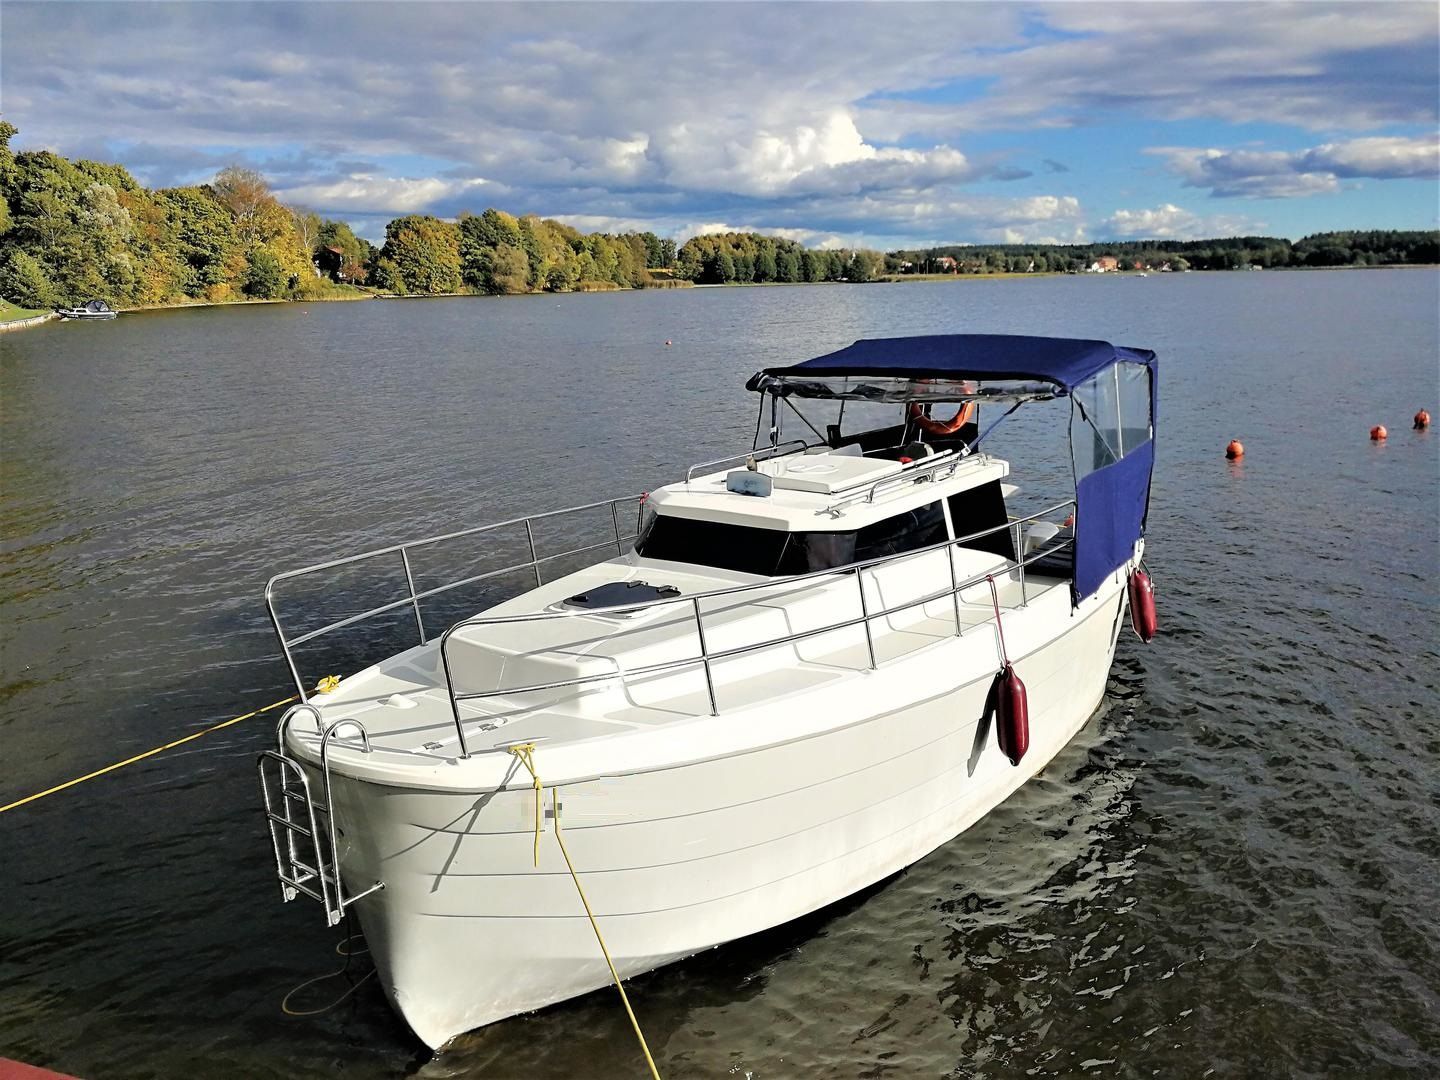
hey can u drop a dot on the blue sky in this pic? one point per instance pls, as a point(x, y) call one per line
point(885, 125)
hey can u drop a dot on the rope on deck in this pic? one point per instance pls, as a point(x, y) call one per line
point(525, 752)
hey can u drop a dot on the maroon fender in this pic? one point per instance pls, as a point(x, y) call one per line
point(1012, 714)
point(1142, 605)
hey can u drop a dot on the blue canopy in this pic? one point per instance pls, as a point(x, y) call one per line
point(1112, 392)
point(1066, 362)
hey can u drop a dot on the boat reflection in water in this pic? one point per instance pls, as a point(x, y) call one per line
point(776, 688)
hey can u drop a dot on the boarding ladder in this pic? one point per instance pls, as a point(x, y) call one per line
point(303, 832)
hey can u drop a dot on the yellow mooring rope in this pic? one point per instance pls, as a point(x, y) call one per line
point(526, 753)
point(327, 683)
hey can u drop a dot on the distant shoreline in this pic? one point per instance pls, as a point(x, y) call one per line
point(886, 279)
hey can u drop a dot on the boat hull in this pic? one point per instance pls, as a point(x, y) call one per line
point(469, 930)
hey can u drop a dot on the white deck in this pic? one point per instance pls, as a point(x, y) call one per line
point(406, 709)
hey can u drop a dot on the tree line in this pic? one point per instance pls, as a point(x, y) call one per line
point(71, 231)
point(1359, 248)
point(744, 258)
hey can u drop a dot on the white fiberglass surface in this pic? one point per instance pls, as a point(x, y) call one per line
point(406, 708)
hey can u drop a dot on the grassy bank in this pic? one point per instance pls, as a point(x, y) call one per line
point(10, 313)
point(339, 293)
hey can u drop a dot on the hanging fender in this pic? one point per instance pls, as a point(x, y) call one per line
point(1142, 606)
point(942, 427)
point(1012, 714)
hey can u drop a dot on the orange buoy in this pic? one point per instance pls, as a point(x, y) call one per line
point(1378, 433)
point(1422, 420)
point(1235, 450)
point(1142, 606)
point(1069, 522)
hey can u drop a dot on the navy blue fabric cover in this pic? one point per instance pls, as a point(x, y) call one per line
point(1063, 361)
point(1110, 508)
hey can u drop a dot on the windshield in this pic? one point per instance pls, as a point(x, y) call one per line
point(777, 553)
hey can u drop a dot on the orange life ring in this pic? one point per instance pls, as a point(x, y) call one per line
point(942, 427)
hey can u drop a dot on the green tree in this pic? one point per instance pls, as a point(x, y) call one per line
point(201, 240)
point(865, 266)
point(766, 267)
point(509, 270)
point(425, 254)
point(7, 172)
point(813, 265)
point(23, 281)
point(265, 277)
point(724, 267)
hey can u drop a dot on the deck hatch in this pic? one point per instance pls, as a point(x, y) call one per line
point(614, 594)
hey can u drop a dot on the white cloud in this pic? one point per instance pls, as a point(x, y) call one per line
point(849, 123)
point(1275, 174)
point(1171, 222)
point(362, 193)
point(1383, 158)
point(811, 238)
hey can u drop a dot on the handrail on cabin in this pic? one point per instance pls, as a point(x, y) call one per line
point(764, 453)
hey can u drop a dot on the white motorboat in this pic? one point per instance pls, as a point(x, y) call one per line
point(780, 683)
point(95, 309)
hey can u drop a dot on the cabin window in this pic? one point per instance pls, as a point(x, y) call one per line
point(774, 553)
point(719, 544)
point(977, 509)
point(910, 531)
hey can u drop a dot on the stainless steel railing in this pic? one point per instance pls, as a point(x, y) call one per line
point(707, 657)
point(763, 453)
point(413, 598)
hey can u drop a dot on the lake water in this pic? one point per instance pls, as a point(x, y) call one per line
point(1232, 869)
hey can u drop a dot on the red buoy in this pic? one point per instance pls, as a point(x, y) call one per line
point(1235, 450)
point(1142, 606)
point(1422, 420)
point(1378, 433)
point(1012, 714)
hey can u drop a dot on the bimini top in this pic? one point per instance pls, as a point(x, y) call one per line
point(1063, 362)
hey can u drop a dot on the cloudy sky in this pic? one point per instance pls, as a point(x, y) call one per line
point(879, 124)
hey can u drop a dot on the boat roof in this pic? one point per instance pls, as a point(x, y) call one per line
point(827, 491)
point(1063, 362)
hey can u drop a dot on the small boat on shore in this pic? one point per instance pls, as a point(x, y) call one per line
point(779, 680)
point(95, 309)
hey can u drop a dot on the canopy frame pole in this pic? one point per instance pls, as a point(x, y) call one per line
point(970, 447)
point(804, 420)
